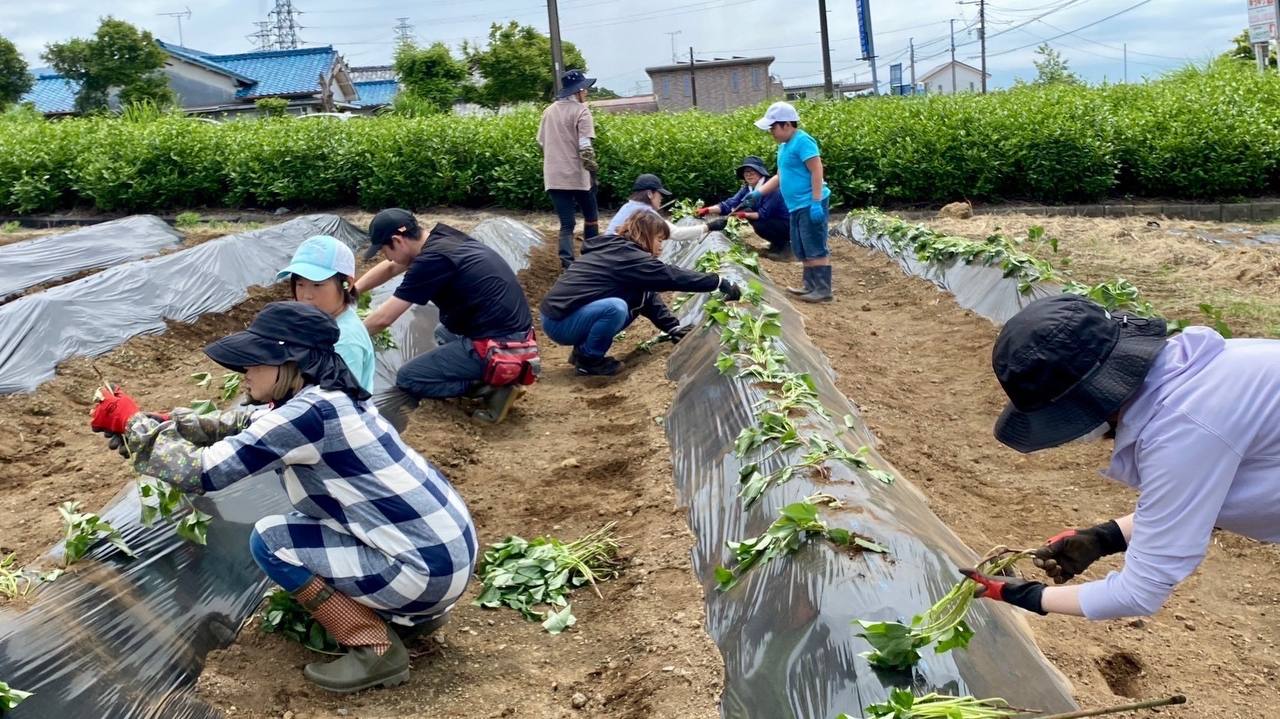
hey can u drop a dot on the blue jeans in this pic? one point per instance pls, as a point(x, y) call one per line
point(449, 370)
point(591, 328)
point(289, 577)
point(809, 238)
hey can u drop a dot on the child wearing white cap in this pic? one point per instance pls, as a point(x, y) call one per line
point(802, 182)
point(322, 274)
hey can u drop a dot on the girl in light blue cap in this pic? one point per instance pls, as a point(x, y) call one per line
point(322, 274)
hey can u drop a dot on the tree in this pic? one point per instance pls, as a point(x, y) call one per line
point(118, 56)
point(1243, 50)
point(431, 75)
point(14, 78)
point(516, 65)
point(603, 93)
point(1051, 69)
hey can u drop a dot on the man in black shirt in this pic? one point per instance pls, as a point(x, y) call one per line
point(478, 298)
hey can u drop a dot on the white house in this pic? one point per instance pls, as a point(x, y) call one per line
point(938, 81)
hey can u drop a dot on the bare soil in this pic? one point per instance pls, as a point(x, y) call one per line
point(918, 366)
point(1177, 264)
point(573, 454)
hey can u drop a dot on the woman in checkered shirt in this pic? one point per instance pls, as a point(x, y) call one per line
point(378, 538)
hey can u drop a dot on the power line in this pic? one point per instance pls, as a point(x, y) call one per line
point(1113, 47)
point(1114, 15)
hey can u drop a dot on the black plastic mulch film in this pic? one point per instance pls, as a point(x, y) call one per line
point(126, 639)
point(784, 631)
point(96, 314)
point(981, 288)
point(45, 259)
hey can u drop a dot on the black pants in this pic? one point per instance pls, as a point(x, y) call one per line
point(566, 202)
point(776, 231)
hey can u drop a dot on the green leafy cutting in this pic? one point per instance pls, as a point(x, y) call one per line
point(10, 697)
point(796, 522)
point(819, 451)
point(902, 704)
point(283, 615)
point(383, 340)
point(81, 530)
point(14, 581)
point(897, 646)
point(526, 574)
point(685, 208)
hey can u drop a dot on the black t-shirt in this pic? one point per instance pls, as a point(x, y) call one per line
point(474, 288)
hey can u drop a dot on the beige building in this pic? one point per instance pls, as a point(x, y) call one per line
point(719, 85)
point(938, 81)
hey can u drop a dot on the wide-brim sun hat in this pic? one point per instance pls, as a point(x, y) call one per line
point(574, 81)
point(289, 332)
point(1068, 365)
point(751, 162)
point(319, 258)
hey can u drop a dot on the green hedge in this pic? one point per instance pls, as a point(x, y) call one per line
point(1197, 134)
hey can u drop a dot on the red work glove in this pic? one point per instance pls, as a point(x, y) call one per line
point(1068, 553)
point(740, 215)
point(1010, 590)
point(703, 211)
point(112, 413)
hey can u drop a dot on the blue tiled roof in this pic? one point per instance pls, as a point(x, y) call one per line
point(374, 93)
point(53, 93)
point(197, 57)
point(279, 72)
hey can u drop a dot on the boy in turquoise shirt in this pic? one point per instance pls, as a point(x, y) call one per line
point(802, 183)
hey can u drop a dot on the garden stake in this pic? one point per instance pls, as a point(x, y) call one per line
point(1150, 704)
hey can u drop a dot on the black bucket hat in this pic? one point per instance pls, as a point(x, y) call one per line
point(572, 81)
point(290, 332)
point(1067, 366)
point(751, 162)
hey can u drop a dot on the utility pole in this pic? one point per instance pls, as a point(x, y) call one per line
point(1275, 38)
point(675, 58)
point(1126, 63)
point(693, 80)
point(827, 87)
point(178, 16)
point(557, 58)
point(982, 37)
point(953, 56)
point(912, 42)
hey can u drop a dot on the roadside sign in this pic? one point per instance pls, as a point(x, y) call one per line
point(1262, 21)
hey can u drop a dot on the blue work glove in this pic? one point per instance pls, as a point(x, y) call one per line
point(817, 213)
point(751, 200)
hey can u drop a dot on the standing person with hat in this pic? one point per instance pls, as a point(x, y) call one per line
point(569, 161)
point(647, 194)
point(378, 542)
point(1196, 424)
point(323, 275)
point(770, 219)
point(801, 180)
point(486, 349)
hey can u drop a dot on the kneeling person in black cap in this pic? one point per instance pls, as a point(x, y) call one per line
point(378, 544)
point(486, 345)
point(647, 194)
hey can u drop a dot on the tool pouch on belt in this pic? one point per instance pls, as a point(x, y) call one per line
point(509, 361)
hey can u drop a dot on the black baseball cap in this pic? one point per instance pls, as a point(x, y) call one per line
point(650, 182)
point(385, 224)
point(1068, 365)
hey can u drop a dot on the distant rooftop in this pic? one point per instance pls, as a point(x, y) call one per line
point(718, 62)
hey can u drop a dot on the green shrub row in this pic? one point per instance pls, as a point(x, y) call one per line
point(1200, 133)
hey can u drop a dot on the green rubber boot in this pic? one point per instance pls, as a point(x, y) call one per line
point(375, 655)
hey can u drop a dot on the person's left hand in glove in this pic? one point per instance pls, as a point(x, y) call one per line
point(731, 292)
point(1011, 590)
point(679, 333)
point(717, 224)
point(704, 211)
point(817, 213)
point(112, 412)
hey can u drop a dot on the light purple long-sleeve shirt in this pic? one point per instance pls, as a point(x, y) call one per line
point(1201, 444)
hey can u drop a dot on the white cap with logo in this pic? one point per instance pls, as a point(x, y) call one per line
point(778, 112)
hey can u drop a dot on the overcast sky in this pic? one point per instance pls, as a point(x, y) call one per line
point(619, 38)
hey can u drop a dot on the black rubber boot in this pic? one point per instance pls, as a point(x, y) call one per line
point(808, 283)
point(821, 286)
point(497, 403)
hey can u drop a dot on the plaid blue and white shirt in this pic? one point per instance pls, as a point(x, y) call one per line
point(373, 518)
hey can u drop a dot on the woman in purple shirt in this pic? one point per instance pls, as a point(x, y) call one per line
point(1196, 423)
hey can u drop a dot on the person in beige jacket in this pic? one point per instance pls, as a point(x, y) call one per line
point(569, 161)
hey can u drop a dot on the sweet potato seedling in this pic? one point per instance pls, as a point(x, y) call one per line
point(902, 704)
point(895, 645)
point(10, 697)
point(283, 615)
point(383, 340)
point(14, 581)
point(81, 530)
